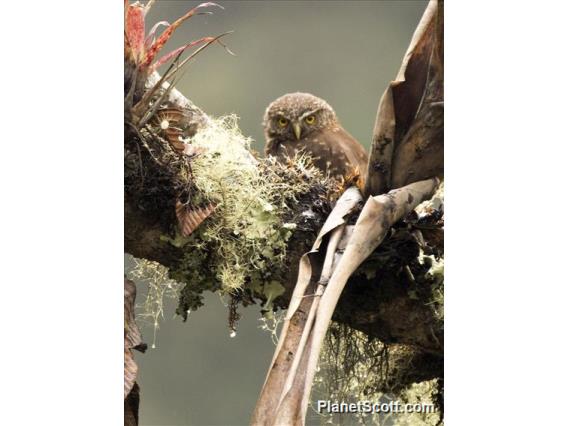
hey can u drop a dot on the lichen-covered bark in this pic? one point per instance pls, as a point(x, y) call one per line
point(391, 296)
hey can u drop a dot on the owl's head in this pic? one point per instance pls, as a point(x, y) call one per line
point(296, 115)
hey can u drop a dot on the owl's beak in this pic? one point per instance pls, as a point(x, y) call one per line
point(297, 130)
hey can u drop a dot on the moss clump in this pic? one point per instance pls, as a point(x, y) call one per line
point(243, 245)
point(194, 269)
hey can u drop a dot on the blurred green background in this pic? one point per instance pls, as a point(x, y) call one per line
point(343, 51)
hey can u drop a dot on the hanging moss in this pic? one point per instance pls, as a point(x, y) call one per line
point(354, 367)
point(155, 278)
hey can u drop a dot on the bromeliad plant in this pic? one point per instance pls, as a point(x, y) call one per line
point(141, 56)
point(154, 128)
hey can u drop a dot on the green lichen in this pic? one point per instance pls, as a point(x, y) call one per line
point(194, 270)
point(272, 290)
point(243, 245)
point(423, 393)
point(435, 279)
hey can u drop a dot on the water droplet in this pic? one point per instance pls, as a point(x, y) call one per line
point(233, 333)
point(153, 346)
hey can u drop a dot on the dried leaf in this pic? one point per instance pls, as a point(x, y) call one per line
point(130, 371)
point(132, 337)
point(176, 116)
point(131, 405)
point(173, 121)
point(283, 368)
point(285, 395)
point(408, 138)
point(172, 135)
point(190, 219)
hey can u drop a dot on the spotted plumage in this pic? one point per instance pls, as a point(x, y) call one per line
point(303, 122)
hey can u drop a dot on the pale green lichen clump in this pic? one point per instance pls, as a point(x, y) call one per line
point(245, 240)
point(418, 393)
point(436, 277)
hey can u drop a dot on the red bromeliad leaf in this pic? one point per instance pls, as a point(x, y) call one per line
point(150, 37)
point(207, 41)
point(177, 51)
point(134, 30)
point(165, 36)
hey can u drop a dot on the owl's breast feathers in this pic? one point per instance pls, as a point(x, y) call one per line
point(332, 150)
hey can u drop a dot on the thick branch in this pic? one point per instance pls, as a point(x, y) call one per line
point(364, 305)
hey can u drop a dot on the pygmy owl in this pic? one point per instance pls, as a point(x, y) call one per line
point(303, 122)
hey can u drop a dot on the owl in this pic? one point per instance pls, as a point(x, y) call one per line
point(301, 122)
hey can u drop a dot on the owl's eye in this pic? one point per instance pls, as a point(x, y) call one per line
point(282, 122)
point(310, 119)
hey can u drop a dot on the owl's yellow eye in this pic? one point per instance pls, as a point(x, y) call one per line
point(310, 119)
point(282, 122)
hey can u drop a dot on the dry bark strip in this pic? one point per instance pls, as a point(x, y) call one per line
point(285, 396)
